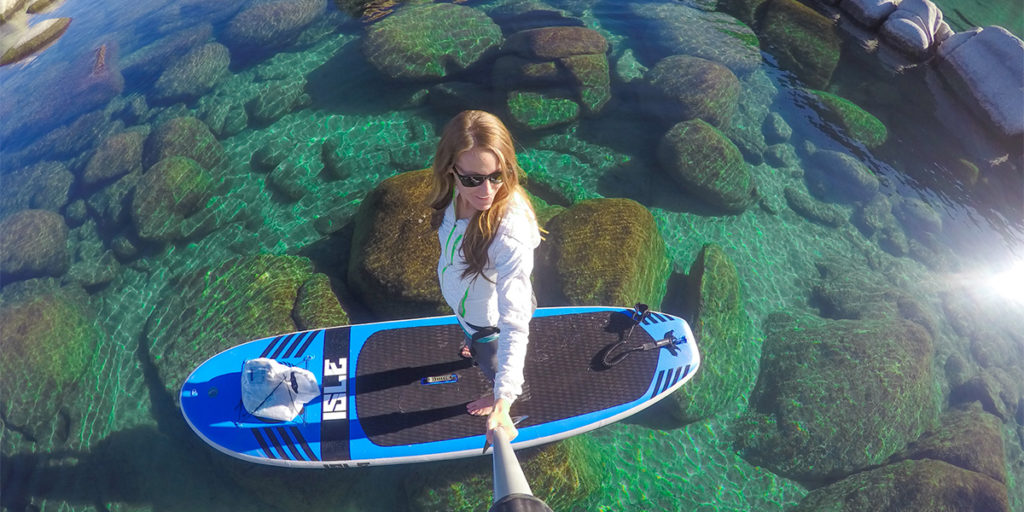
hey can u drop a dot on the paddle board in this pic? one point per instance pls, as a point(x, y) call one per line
point(396, 392)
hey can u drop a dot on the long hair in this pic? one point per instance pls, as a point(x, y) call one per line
point(467, 130)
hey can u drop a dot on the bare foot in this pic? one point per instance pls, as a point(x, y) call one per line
point(465, 353)
point(481, 406)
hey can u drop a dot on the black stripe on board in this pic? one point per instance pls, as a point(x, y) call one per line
point(295, 344)
point(686, 371)
point(297, 434)
point(309, 341)
point(659, 318)
point(657, 383)
point(289, 444)
point(281, 346)
point(262, 443)
point(669, 380)
point(275, 443)
point(270, 346)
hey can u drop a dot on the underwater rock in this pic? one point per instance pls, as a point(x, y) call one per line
point(781, 156)
point(910, 486)
point(537, 111)
point(265, 25)
point(117, 155)
point(967, 438)
point(144, 66)
point(814, 413)
point(317, 306)
point(588, 258)
point(725, 335)
point(247, 298)
point(224, 115)
point(693, 88)
point(35, 39)
point(183, 136)
point(35, 245)
point(94, 265)
point(48, 336)
point(551, 43)
point(628, 69)
point(278, 97)
point(839, 177)
point(291, 179)
point(775, 129)
point(847, 290)
point(812, 209)
point(918, 216)
point(271, 154)
point(985, 389)
point(563, 473)
point(986, 68)
point(193, 75)
point(804, 42)
point(590, 79)
point(424, 42)
point(110, 205)
point(677, 29)
point(170, 192)
point(707, 166)
point(393, 263)
point(855, 121)
point(42, 186)
point(875, 215)
point(458, 96)
point(914, 28)
point(870, 13)
point(744, 10)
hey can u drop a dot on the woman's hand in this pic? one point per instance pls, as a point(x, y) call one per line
point(499, 418)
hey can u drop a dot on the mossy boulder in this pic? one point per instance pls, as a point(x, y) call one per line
point(183, 136)
point(725, 335)
point(858, 123)
point(706, 165)
point(589, 259)
point(269, 24)
point(802, 40)
point(167, 196)
point(423, 42)
point(550, 43)
point(837, 396)
point(393, 263)
point(686, 87)
point(910, 486)
point(678, 29)
point(117, 155)
point(561, 474)
point(813, 210)
point(48, 336)
point(43, 186)
point(317, 305)
point(193, 74)
point(34, 244)
point(536, 111)
point(591, 80)
point(917, 216)
point(214, 308)
point(851, 291)
point(969, 438)
point(277, 98)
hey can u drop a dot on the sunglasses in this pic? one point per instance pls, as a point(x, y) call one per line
point(477, 180)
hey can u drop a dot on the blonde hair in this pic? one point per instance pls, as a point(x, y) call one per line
point(468, 130)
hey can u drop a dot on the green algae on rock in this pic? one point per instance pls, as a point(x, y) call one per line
point(684, 30)
point(537, 111)
point(858, 123)
point(707, 166)
point(562, 474)
point(173, 190)
point(317, 305)
point(430, 41)
point(814, 210)
point(271, 24)
point(183, 136)
point(393, 263)
point(43, 186)
point(725, 335)
point(968, 438)
point(693, 88)
point(910, 486)
point(589, 259)
point(117, 155)
point(802, 40)
point(48, 336)
point(837, 396)
point(214, 308)
point(34, 244)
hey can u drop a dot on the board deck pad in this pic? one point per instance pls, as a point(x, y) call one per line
point(395, 392)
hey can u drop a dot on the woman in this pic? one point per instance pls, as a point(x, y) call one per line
point(488, 232)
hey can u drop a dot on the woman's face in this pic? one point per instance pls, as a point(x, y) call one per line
point(477, 162)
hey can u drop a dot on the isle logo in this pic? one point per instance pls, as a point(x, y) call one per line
point(335, 403)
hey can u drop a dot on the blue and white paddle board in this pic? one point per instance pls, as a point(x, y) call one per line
point(396, 392)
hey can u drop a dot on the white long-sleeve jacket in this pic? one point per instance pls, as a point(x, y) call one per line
point(505, 298)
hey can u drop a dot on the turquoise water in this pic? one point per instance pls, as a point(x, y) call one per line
point(90, 424)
